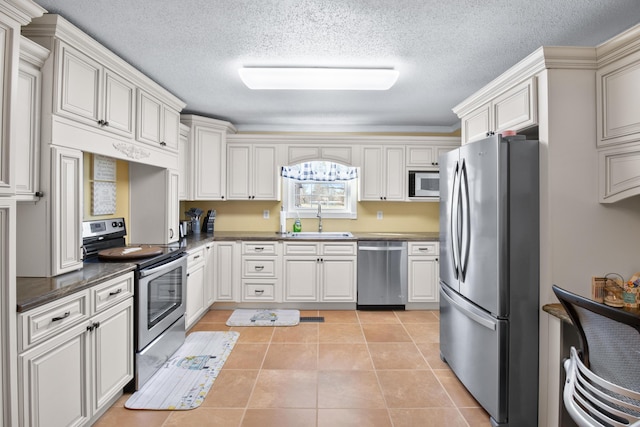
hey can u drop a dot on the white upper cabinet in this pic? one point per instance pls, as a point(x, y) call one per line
point(618, 107)
point(514, 109)
point(426, 156)
point(383, 173)
point(27, 120)
point(94, 101)
point(183, 162)
point(91, 93)
point(157, 123)
point(252, 172)
point(207, 161)
point(342, 154)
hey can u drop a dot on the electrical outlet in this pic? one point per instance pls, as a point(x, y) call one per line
point(265, 214)
point(379, 214)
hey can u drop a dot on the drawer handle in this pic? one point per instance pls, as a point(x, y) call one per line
point(196, 257)
point(259, 249)
point(64, 316)
point(259, 291)
point(423, 249)
point(259, 267)
point(115, 292)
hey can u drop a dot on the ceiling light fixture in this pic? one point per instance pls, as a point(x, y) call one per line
point(293, 78)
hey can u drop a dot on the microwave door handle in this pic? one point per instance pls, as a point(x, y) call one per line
point(465, 240)
point(454, 222)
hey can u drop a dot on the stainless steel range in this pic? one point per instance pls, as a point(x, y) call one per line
point(160, 290)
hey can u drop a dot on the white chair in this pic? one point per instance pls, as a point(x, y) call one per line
point(602, 387)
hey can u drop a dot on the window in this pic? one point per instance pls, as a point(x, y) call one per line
point(331, 185)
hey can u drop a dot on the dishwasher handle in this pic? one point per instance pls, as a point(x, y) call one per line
point(381, 248)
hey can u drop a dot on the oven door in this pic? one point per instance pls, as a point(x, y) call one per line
point(160, 292)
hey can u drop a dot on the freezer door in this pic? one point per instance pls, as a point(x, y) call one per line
point(449, 266)
point(484, 241)
point(474, 345)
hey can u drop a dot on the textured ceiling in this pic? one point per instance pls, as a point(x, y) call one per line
point(444, 51)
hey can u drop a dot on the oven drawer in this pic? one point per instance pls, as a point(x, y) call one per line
point(259, 267)
point(423, 248)
point(259, 248)
point(258, 291)
point(44, 322)
point(111, 292)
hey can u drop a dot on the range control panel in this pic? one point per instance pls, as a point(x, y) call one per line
point(103, 227)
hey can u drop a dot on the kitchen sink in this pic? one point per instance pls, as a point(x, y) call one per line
point(320, 235)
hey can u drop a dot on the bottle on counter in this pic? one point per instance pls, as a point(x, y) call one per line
point(297, 226)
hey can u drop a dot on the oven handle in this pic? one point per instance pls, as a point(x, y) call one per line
point(149, 271)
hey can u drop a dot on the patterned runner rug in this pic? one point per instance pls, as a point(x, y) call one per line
point(259, 317)
point(184, 381)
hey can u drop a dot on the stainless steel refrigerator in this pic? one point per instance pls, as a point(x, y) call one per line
point(489, 274)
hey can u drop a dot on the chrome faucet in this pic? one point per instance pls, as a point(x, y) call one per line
point(319, 215)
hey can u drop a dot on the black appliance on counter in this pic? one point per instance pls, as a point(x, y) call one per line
point(159, 295)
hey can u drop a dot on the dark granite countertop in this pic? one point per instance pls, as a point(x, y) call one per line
point(33, 292)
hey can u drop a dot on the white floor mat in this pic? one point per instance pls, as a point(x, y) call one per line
point(184, 381)
point(259, 317)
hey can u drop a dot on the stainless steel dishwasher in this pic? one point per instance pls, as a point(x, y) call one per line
point(382, 274)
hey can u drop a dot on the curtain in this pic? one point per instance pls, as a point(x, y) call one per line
point(319, 171)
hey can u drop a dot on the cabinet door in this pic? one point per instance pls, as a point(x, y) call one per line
point(183, 163)
point(239, 172)
point(301, 279)
point(618, 101)
point(173, 206)
point(195, 293)
point(226, 271)
point(209, 278)
point(112, 352)
point(517, 108)
point(79, 86)
point(395, 188)
point(476, 124)
point(372, 173)
point(6, 180)
point(119, 99)
point(423, 279)
point(619, 172)
point(27, 127)
point(66, 199)
point(149, 119)
point(421, 156)
point(54, 381)
point(209, 160)
point(7, 306)
point(338, 279)
point(265, 173)
point(170, 128)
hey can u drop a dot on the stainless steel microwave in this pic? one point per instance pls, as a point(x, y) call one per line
point(424, 184)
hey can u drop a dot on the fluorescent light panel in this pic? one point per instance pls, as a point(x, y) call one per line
point(292, 78)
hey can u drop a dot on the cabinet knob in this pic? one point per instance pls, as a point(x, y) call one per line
point(171, 233)
point(163, 143)
point(105, 123)
point(101, 122)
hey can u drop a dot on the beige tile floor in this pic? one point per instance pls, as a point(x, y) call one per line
point(358, 368)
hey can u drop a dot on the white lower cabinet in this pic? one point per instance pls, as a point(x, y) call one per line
point(70, 374)
point(423, 271)
point(209, 274)
point(195, 286)
point(226, 272)
point(261, 266)
point(317, 272)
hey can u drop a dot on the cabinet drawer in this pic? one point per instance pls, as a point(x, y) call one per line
point(45, 322)
point(259, 267)
point(423, 248)
point(111, 292)
point(261, 248)
point(301, 248)
point(258, 291)
point(339, 249)
point(195, 256)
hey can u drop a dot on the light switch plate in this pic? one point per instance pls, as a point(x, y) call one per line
point(265, 214)
point(379, 216)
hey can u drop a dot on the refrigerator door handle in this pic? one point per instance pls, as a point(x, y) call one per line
point(465, 239)
point(483, 320)
point(454, 222)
